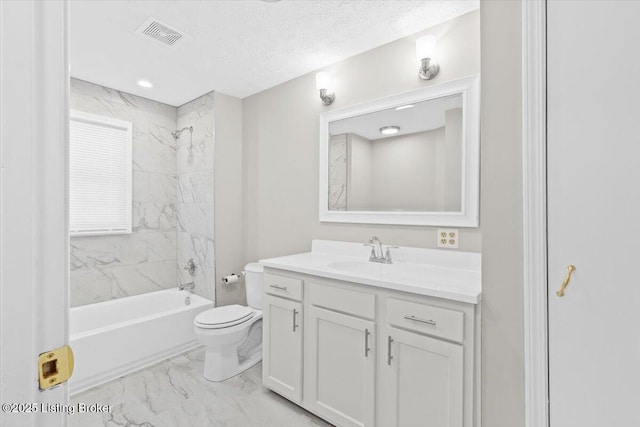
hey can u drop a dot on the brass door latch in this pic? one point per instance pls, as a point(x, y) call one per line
point(55, 367)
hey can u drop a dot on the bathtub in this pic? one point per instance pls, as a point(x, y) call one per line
point(112, 338)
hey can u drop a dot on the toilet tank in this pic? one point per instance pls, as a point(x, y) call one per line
point(253, 282)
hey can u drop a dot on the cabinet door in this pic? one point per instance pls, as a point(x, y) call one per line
point(282, 347)
point(342, 368)
point(426, 381)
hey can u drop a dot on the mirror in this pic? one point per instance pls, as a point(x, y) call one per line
point(409, 159)
point(415, 151)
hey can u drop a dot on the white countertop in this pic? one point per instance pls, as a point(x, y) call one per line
point(445, 274)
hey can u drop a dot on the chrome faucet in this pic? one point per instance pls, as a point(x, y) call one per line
point(378, 254)
point(188, 286)
point(376, 248)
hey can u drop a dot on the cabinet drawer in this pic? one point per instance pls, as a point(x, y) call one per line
point(436, 321)
point(282, 286)
point(357, 303)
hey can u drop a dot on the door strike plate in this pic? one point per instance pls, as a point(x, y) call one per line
point(55, 367)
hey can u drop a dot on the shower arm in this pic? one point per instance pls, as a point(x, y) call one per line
point(176, 133)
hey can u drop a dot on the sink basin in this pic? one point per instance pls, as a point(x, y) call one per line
point(403, 271)
point(358, 267)
point(375, 269)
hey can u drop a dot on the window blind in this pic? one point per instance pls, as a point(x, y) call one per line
point(99, 175)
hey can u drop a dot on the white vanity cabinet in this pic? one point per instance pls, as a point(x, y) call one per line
point(425, 355)
point(282, 337)
point(372, 356)
point(342, 367)
point(340, 344)
point(426, 381)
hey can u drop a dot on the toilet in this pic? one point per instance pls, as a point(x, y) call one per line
point(232, 335)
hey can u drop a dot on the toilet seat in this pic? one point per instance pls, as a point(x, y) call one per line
point(224, 317)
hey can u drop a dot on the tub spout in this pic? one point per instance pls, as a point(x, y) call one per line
point(188, 286)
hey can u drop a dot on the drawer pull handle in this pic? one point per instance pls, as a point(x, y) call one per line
point(281, 288)
point(366, 342)
point(294, 319)
point(389, 356)
point(417, 319)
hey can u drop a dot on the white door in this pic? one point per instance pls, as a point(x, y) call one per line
point(594, 212)
point(342, 368)
point(282, 352)
point(426, 381)
point(34, 248)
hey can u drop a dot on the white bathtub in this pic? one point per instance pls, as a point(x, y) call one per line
point(112, 338)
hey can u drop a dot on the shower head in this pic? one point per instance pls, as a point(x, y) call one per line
point(176, 133)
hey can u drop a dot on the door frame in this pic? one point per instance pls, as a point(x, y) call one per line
point(534, 209)
point(534, 163)
point(34, 260)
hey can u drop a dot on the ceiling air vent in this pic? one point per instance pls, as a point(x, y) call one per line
point(161, 32)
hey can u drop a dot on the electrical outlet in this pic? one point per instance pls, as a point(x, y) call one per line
point(447, 238)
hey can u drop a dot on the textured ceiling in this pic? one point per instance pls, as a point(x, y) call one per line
point(237, 47)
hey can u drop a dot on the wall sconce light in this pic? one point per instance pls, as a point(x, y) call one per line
point(425, 52)
point(323, 84)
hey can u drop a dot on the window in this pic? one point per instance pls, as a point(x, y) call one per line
point(99, 175)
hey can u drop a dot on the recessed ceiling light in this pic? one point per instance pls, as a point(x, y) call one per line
point(389, 130)
point(145, 83)
point(404, 107)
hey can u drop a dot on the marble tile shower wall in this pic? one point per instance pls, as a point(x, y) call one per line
point(172, 201)
point(195, 194)
point(107, 267)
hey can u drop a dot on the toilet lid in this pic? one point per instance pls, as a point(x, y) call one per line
point(224, 317)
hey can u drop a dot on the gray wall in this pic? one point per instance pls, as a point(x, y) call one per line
point(449, 191)
point(280, 139)
point(228, 196)
point(501, 216)
point(114, 266)
point(410, 172)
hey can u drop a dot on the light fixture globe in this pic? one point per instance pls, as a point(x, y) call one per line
point(325, 86)
point(323, 80)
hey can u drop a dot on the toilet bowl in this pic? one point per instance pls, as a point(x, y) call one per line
point(232, 335)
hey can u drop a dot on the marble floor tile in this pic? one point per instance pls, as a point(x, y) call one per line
point(174, 393)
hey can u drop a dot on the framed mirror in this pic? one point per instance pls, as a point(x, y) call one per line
point(409, 159)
